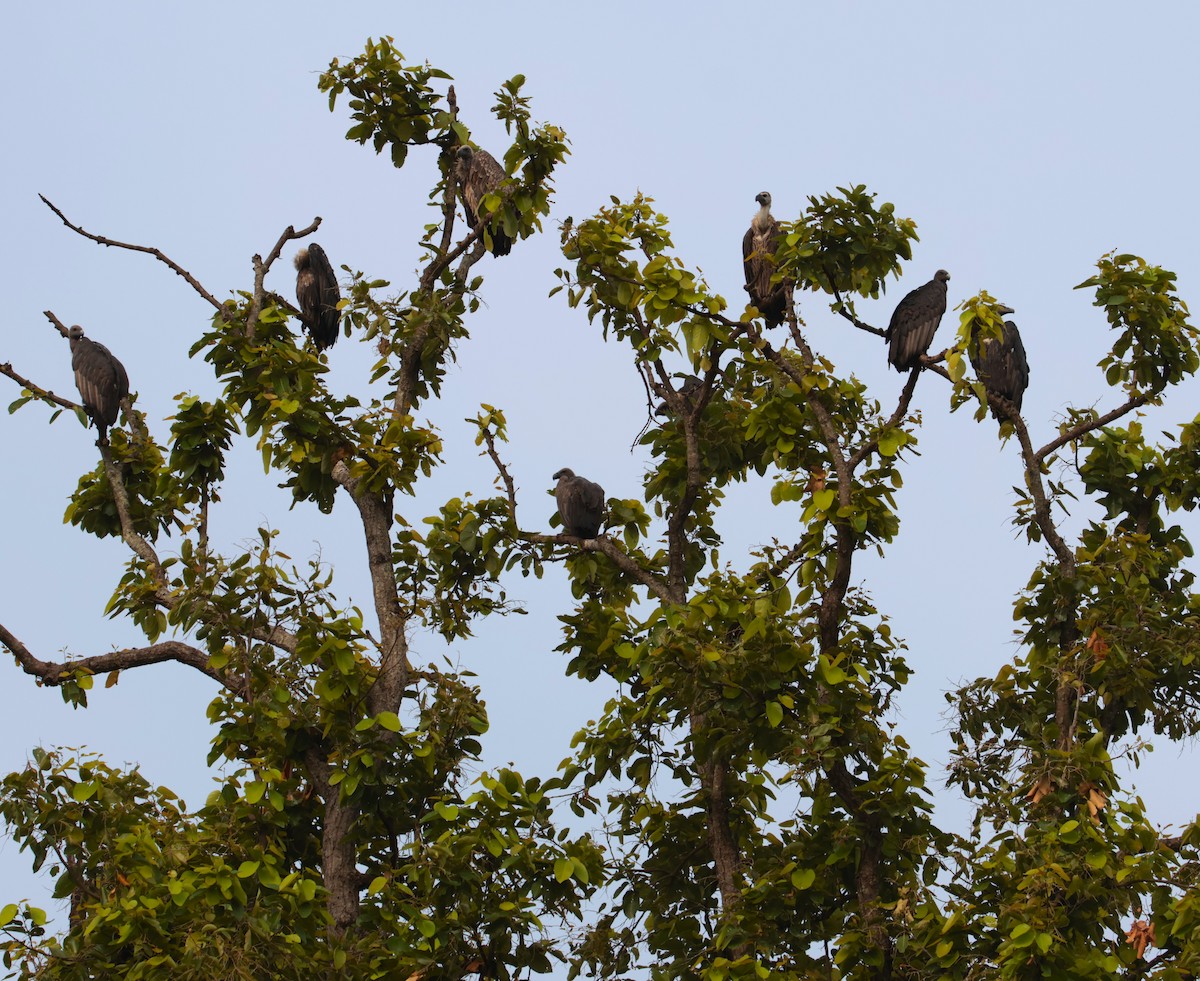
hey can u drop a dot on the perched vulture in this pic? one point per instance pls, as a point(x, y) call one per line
point(479, 174)
point(759, 243)
point(686, 387)
point(915, 321)
point(1001, 364)
point(100, 378)
point(318, 293)
point(580, 504)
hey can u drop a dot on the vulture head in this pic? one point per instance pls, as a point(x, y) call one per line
point(763, 198)
point(75, 333)
point(942, 276)
point(301, 259)
point(464, 155)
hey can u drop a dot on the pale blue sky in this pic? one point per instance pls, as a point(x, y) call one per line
point(1025, 140)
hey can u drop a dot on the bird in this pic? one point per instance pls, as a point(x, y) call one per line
point(479, 174)
point(100, 378)
point(759, 244)
point(686, 388)
point(915, 321)
point(580, 504)
point(318, 293)
point(1001, 364)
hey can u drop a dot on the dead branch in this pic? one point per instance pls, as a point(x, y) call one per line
point(112, 243)
point(844, 311)
point(1083, 428)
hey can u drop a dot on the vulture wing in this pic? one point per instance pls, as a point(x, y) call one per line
point(758, 248)
point(1002, 366)
point(580, 504)
point(914, 322)
point(318, 293)
point(100, 378)
point(482, 176)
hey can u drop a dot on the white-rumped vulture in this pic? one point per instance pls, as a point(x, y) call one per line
point(479, 174)
point(100, 378)
point(580, 504)
point(318, 293)
point(915, 321)
point(759, 243)
point(1001, 365)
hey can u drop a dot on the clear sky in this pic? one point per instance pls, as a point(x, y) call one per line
point(1025, 139)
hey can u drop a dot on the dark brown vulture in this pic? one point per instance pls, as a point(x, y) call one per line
point(686, 387)
point(318, 293)
point(100, 378)
point(580, 504)
point(1001, 364)
point(759, 243)
point(915, 321)
point(479, 174)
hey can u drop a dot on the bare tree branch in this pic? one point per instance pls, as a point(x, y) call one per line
point(112, 243)
point(42, 393)
point(52, 672)
point(606, 546)
point(843, 310)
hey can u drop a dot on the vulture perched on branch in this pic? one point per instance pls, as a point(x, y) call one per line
point(580, 504)
point(100, 378)
point(758, 248)
point(1001, 364)
point(318, 293)
point(915, 321)
point(479, 174)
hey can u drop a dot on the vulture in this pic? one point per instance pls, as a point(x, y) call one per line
point(318, 293)
point(100, 378)
point(580, 504)
point(686, 387)
point(759, 243)
point(915, 321)
point(1001, 364)
point(479, 174)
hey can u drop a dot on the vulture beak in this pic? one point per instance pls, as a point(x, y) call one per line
point(1002, 310)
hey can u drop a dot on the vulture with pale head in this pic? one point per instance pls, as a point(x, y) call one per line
point(915, 321)
point(100, 378)
point(318, 293)
point(479, 174)
point(580, 504)
point(759, 243)
point(1001, 365)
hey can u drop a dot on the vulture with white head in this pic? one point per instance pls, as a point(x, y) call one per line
point(759, 243)
point(100, 378)
point(915, 321)
point(580, 504)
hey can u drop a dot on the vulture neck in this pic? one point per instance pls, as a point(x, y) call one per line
point(762, 219)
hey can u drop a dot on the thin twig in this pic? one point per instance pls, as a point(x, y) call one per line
point(844, 311)
point(1075, 432)
point(112, 243)
point(504, 474)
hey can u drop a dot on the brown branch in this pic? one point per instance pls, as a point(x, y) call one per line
point(376, 513)
point(1083, 428)
point(509, 487)
point(42, 393)
point(53, 673)
point(58, 324)
point(844, 311)
point(605, 545)
point(112, 243)
point(261, 269)
point(906, 394)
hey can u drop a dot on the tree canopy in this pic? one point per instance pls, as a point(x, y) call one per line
point(746, 805)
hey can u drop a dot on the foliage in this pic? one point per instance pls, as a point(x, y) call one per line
point(745, 805)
